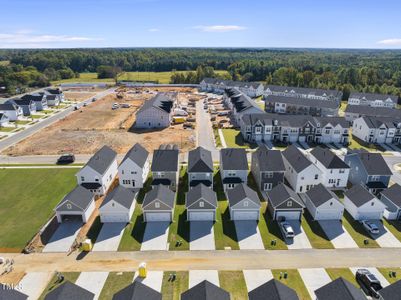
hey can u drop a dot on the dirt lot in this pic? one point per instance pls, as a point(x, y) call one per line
point(78, 96)
point(86, 130)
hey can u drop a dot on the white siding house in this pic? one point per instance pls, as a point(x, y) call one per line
point(155, 113)
point(118, 206)
point(134, 168)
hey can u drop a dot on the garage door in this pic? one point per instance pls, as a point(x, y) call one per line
point(111, 218)
point(72, 218)
point(245, 215)
point(288, 215)
point(201, 216)
point(328, 215)
point(370, 215)
point(155, 217)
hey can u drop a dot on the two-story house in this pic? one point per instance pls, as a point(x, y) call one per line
point(373, 100)
point(353, 112)
point(12, 111)
point(155, 112)
point(39, 99)
point(233, 167)
point(165, 168)
point(200, 167)
point(368, 169)
point(56, 92)
point(28, 106)
point(377, 130)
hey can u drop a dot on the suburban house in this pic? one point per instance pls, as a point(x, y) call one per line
point(77, 204)
point(155, 112)
point(52, 100)
point(335, 171)
point(214, 85)
point(57, 92)
point(158, 204)
point(377, 130)
point(391, 197)
point(134, 168)
point(300, 173)
point(7, 292)
point(306, 93)
point(233, 167)
point(39, 99)
point(200, 167)
point(118, 206)
point(284, 203)
point(205, 290)
point(300, 106)
point(353, 112)
point(294, 128)
point(69, 290)
point(201, 203)
point(323, 204)
point(99, 172)
point(11, 110)
point(267, 168)
point(362, 205)
point(4, 121)
point(373, 100)
point(273, 289)
point(137, 291)
point(391, 291)
point(165, 167)
point(339, 289)
point(28, 106)
point(369, 169)
point(243, 202)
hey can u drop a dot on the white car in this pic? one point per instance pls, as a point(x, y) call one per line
point(370, 227)
point(115, 106)
point(287, 230)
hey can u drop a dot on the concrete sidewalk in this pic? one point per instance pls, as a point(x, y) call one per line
point(153, 279)
point(34, 283)
point(197, 276)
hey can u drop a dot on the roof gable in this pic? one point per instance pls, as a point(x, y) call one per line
point(234, 159)
point(393, 194)
point(102, 160)
point(137, 154)
point(296, 158)
point(328, 159)
point(200, 160)
point(165, 160)
point(319, 195)
point(280, 194)
point(137, 291)
point(275, 291)
point(268, 160)
point(161, 194)
point(242, 192)
point(120, 195)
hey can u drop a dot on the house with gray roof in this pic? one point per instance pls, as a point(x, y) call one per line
point(137, 291)
point(200, 167)
point(40, 100)
point(369, 169)
point(118, 205)
point(52, 100)
point(273, 290)
point(134, 168)
point(11, 110)
point(391, 292)
point(372, 100)
point(155, 112)
point(284, 203)
point(158, 204)
point(56, 92)
point(201, 203)
point(165, 168)
point(267, 168)
point(391, 197)
point(99, 172)
point(363, 205)
point(27, 105)
point(69, 290)
point(353, 112)
point(339, 289)
point(218, 86)
point(10, 293)
point(323, 204)
point(243, 202)
point(205, 290)
point(335, 171)
point(4, 121)
point(233, 167)
point(377, 130)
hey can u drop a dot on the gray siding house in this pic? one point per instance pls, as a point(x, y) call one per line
point(284, 203)
point(200, 167)
point(233, 167)
point(39, 99)
point(391, 197)
point(244, 203)
point(158, 204)
point(201, 203)
point(165, 168)
point(28, 106)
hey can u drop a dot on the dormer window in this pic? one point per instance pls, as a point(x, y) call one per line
point(246, 203)
point(201, 204)
point(157, 205)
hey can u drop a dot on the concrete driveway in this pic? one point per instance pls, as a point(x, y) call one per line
point(92, 281)
point(109, 237)
point(385, 238)
point(375, 272)
point(155, 236)
point(305, 145)
point(197, 276)
point(201, 235)
point(314, 279)
point(34, 283)
point(62, 239)
point(338, 236)
point(255, 278)
point(153, 279)
point(248, 235)
point(300, 241)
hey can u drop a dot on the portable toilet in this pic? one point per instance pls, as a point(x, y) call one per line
point(86, 245)
point(142, 270)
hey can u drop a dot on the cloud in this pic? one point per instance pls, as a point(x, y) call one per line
point(153, 29)
point(220, 28)
point(390, 42)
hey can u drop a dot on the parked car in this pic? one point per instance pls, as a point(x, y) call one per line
point(287, 230)
point(66, 159)
point(368, 282)
point(93, 99)
point(125, 105)
point(189, 125)
point(370, 227)
point(115, 106)
point(75, 107)
point(85, 104)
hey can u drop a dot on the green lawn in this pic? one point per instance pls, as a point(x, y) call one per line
point(294, 281)
point(270, 231)
point(27, 193)
point(388, 274)
point(7, 129)
point(172, 290)
point(68, 276)
point(233, 139)
point(114, 283)
point(36, 116)
point(217, 138)
point(234, 283)
point(355, 143)
point(357, 232)
point(315, 233)
point(345, 273)
point(394, 227)
point(22, 122)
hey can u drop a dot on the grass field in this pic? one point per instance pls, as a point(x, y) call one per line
point(234, 283)
point(345, 273)
point(172, 290)
point(68, 276)
point(294, 281)
point(388, 274)
point(28, 201)
point(114, 283)
point(161, 77)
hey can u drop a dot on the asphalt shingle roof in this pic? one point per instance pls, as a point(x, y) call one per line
point(281, 193)
point(201, 192)
point(165, 160)
point(273, 290)
point(102, 160)
point(328, 159)
point(393, 193)
point(137, 291)
point(8, 106)
point(391, 292)
point(240, 192)
point(69, 291)
point(160, 101)
point(301, 101)
point(79, 196)
point(319, 195)
point(137, 154)
point(205, 291)
point(268, 160)
point(359, 195)
point(339, 289)
point(365, 110)
point(374, 163)
point(304, 91)
point(234, 159)
point(296, 158)
point(161, 193)
point(7, 293)
point(121, 195)
point(200, 160)
point(373, 97)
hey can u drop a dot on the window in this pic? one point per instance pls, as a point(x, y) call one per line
point(126, 181)
point(133, 172)
point(375, 178)
point(316, 176)
point(82, 178)
point(331, 203)
point(246, 203)
point(267, 186)
point(372, 204)
point(342, 171)
point(157, 204)
point(69, 206)
point(97, 179)
point(289, 203)
point(122, 172)
point(269, 174)
point(201, 204)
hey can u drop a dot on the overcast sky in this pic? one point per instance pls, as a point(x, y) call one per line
point(205, 23)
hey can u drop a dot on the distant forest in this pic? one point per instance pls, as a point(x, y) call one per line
point(361, 70)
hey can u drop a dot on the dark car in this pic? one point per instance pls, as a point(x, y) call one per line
point(368, 282)
point(66, 159)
